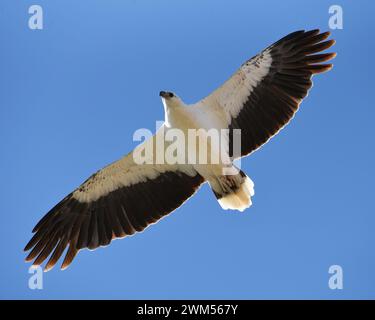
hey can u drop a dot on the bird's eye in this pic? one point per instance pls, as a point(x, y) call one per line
point(171, 95)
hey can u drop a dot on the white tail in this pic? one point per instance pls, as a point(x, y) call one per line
point(239, 199)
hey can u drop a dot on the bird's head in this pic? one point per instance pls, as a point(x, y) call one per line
point(170, 99)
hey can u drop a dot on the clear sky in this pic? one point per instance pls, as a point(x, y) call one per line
point(72, 94)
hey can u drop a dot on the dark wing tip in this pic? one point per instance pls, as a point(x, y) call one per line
point(274, 101)
point(28, 246)
point(320, 68)
point(50, 230)
point(119, 213)
point(72, 252)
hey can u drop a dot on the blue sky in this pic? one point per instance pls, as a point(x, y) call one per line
point(72, 94)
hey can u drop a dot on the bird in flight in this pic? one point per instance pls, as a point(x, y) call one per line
point(123, 198)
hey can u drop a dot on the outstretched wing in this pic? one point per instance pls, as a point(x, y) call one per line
point(119, 200)
point(264, 94)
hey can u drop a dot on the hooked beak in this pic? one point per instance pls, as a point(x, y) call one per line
point(163, 94)
point(166, 94)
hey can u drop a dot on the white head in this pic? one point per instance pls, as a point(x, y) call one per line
point(170, 100)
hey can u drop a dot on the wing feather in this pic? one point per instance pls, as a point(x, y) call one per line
point(265, 93)
point(117, 201)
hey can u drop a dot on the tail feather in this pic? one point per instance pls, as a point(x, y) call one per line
point(239, 195)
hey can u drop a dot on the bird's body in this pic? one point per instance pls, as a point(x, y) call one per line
point(125, 197)
point(189, 118)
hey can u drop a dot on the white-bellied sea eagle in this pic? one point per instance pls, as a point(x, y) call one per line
point(125, 197)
